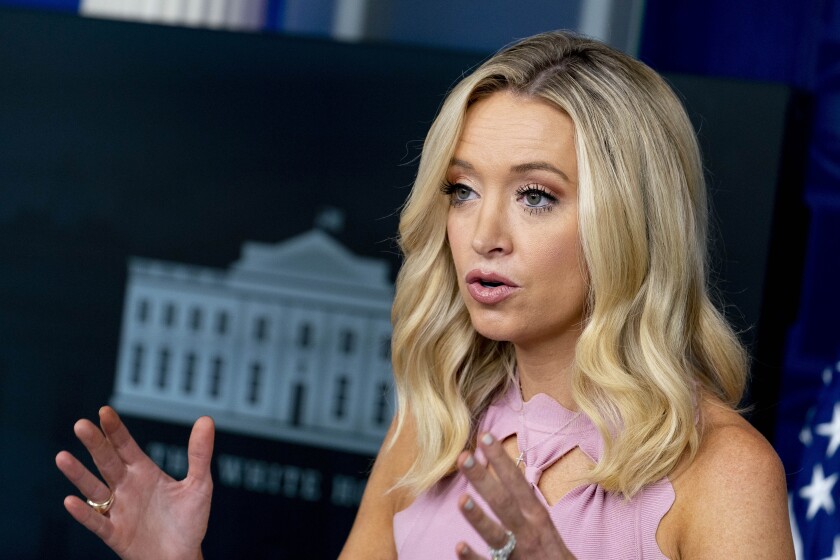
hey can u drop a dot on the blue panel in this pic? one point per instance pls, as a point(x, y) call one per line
point(824, 169)
point(810, 396)
point(62, 5)
point(475, 26)
point(816, 335)
point(275, 15)
point(815, 338)
point(772, 40)
point(310, 17)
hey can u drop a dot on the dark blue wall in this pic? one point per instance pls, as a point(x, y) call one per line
point(797, 43)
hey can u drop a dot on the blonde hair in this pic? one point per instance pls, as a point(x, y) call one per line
point(652, 337)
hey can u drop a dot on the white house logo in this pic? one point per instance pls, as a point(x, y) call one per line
point(291, 343)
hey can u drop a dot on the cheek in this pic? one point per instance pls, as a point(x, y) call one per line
point(455, 241)
point(562, 262)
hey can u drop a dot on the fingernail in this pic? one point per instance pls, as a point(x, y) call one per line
point(469, 504)
point(465, 550)
point(487, 439)
point(470, 462)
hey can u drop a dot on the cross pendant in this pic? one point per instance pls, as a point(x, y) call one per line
point(521, 458)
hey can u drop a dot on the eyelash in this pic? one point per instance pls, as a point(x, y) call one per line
point(449, 189)
point(534, 188)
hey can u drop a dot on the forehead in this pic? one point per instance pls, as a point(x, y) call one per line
point(512, 127)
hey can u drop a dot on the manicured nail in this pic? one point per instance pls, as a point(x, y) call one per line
point(469, 504)
point(487, 439)
point(470, 462)
point(465, 550)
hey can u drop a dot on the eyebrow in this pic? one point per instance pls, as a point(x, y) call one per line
point(455, 162)
point(518, 169)
point(538, 166)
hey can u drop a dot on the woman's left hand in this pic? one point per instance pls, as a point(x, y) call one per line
point(513, 501)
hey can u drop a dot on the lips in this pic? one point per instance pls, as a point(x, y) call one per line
point(488, 287)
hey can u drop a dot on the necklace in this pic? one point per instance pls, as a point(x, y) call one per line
point(521, 458)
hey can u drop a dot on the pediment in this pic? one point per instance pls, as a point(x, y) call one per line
point(313, 255)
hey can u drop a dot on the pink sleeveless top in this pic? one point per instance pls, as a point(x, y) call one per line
point(593, 523)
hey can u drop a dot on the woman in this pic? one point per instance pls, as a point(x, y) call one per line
point(566, 388)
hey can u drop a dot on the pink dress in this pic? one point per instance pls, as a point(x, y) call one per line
point(594, 524)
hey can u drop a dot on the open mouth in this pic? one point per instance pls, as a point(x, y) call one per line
point(489, 288)
point(488, 280)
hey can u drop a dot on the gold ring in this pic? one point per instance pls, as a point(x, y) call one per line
point(102, 507)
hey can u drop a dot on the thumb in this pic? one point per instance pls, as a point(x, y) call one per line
point(200, 449)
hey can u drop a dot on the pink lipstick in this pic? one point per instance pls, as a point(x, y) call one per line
point(488, 287)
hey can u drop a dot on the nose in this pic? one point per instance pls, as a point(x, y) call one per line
point(491, 235)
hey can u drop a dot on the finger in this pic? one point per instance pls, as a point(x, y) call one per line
point(119, 436)
point(523, 513)
point(200, 449)
point(464, 551)
point(104, 456)
point(84, 480)
point(493, 534)
point(98, 524)
point(509, 474)
point(494, 492)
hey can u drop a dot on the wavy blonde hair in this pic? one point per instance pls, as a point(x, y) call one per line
point(652, 337)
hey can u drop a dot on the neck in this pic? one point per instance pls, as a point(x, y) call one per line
point(546, 371)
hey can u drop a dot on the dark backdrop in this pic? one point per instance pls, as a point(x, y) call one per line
point(122, 139)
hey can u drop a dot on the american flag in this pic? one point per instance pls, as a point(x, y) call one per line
point(815, 496)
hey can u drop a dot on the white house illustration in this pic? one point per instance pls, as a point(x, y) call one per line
point(291, 343)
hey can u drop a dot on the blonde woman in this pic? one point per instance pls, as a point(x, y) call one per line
point(552, 316)
point(566, 388)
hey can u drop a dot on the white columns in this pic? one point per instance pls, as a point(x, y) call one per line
point(223, 14)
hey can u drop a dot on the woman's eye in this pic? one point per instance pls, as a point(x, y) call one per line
point(535, 197)
point(458, 193)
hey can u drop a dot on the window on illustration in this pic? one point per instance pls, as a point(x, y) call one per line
point(347, 342)
point(142, 311)
point(163, 368)
point(256, 381)
point(169, 315)
point(216, 377)
point(221, 323)
point(137, 364)
point(195, 319)
point(305, 335)
point(261, 329)
point(340, 405)
point(189, 373)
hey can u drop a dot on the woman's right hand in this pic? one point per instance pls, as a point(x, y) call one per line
point(153, 515)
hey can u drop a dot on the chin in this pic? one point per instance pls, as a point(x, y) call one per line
point(493, 330)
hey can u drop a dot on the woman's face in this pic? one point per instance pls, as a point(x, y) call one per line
point(513, 222)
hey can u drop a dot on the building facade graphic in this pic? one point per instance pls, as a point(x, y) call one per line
point(292, 342)
point(244, 15)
